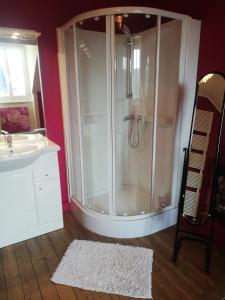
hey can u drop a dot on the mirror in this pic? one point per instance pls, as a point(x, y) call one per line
point(204, 148)
point(21, 101)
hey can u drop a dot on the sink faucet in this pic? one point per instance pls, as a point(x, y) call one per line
point(8, 138)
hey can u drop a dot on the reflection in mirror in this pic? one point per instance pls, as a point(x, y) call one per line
point(204, 148)
point(21, 103)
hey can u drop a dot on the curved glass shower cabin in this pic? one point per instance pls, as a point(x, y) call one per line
point(121, 72)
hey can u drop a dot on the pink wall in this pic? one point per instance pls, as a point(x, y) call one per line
point(52, 103)
point(212, 58)
point(45, 16)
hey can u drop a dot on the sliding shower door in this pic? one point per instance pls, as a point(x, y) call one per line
point(123, 84)
point(135, 67)
point(94, 115)
point(167, 111)
point(75, 186)
point(147, 61)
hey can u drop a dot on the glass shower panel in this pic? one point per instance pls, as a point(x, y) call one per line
point(167, 110)
point(135, 54)
point(75, 186)
point(92, 68)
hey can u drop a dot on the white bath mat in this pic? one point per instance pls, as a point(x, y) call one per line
point(108, 268)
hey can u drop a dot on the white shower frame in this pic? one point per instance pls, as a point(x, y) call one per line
point(138, 225)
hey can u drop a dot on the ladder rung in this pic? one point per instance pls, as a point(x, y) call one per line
point(191, 203)
point(200, 142)
point(203, 121)
point(194, 180)
point(197, 161)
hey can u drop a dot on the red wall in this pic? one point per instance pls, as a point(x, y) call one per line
point(212, 43)
point(45, 16)
point(212, 58)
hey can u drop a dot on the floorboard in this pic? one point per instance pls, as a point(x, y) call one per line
point(27, 275)
point(3, 287)
point(47, 288)
point(52, 262)
point(26, 267)
point(12, 274)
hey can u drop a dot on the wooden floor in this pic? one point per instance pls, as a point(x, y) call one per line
point(26, 267)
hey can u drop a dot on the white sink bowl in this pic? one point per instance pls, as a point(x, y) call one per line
point(23, 138)
point(17, 150)
point(25, 149)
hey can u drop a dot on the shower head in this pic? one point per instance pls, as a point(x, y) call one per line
point(126, 30)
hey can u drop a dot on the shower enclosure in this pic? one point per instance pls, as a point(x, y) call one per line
point(123, 72)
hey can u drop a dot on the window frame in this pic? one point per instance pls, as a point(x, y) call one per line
point(27, 97)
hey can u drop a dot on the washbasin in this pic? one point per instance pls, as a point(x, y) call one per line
point(25, 149)
point(23, 138)
point(17, 150)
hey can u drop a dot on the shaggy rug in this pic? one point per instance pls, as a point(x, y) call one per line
point(108, 268)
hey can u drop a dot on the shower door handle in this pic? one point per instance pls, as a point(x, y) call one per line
point(129, 117)
point(132, 117)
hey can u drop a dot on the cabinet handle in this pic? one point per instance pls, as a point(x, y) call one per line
point(46, 175)
point(40, 189)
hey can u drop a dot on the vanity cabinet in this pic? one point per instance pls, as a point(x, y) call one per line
point(50, 210)
point(30, 200)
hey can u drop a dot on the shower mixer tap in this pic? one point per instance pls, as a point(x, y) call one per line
point(129, 117)
point(133, 117)
point(131, 133)
point(8, 137)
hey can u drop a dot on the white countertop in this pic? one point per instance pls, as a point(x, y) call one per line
point(25, 147)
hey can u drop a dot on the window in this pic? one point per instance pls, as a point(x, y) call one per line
point(136, 57)
point(13, 72)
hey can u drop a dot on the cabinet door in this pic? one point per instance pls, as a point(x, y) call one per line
point(17, 208)
point(48, 197)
